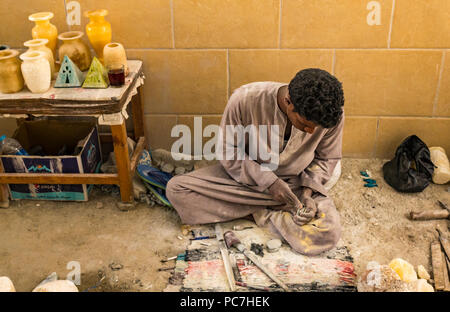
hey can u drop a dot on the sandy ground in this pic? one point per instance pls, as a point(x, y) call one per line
point(40, 237)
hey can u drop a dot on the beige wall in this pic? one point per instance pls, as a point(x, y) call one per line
point(396, 75)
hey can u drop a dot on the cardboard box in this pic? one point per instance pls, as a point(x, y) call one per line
point(52, 135)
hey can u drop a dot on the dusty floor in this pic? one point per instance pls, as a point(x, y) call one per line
point(39, 237)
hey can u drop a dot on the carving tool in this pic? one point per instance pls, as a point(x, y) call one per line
point(444, 243)
point(226, 260)
point(202, 237)
point(232, 240)
point(253, 286)
point(234, 267)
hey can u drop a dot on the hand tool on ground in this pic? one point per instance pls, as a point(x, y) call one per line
point(226, 260)
point(232, 240)
point(234, 267)
point(431, 214)
point(166, 269)
point(257, 287)
point(169, 259)
point(241, 228)
point(202, 237)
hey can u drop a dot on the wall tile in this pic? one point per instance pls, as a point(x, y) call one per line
point(386, 82)
point(333, 24)
point(16, 28)
point(134, 23)
point(230, 23)
point(443, 105)
point(158, 130)
point(393, 130)
point(274, 65)
point(206, 121)
point(359, 137)
point(421, 24)
point(184, 81)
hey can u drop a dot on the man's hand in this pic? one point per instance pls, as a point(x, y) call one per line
point(281, 192)
point(309, 210)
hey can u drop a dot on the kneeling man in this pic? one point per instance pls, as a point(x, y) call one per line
point(304, 123)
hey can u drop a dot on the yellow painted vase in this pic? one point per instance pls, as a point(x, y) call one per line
point(11, 79)
point(115, 57)
point(44, 29)
point(40, 45)
point(98, 31)
point(75, 48)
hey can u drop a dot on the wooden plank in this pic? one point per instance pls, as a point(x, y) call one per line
point(438, 270)
point(137, 154)
point(62, 107)
point(107, 137)
point(4, 194)
point(445, 273)
point(138, 114)
point(58, 178)
point(119, 135)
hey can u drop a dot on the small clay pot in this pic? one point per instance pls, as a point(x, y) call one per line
point(114, 56)
point(74, 47)
point(36, 71)
point(11, 80)
point(41, 45)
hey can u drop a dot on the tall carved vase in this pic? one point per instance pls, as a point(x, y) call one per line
point(36, 71)
point(44, 29)
point(11, 80)
point(40, 45)
point(74, 47)
point(98, 30)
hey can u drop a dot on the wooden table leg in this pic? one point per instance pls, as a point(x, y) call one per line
point(138, 114)
point(4, 196)
point(119, 136)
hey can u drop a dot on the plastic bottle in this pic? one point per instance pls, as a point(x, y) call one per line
point(10, 146)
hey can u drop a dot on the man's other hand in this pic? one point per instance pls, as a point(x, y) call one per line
point(309, 210)
point(281, 192)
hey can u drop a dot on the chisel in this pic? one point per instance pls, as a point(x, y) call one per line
point(232, 240)
point(225, 257)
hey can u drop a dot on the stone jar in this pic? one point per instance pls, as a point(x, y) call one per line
point(114, 56)
point(36, 71)
point(40, 45)
point(44, 29)
point(74, 47)
point(11, 80)
point(98, 30)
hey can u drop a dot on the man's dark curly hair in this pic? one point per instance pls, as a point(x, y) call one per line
point(317, 96)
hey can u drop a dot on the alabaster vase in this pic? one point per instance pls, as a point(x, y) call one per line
point(11, 80)
point(74, 47)
point(114, 57)
point(98, 31)
point(36, 71)
point(41, 45)
point(44, 29)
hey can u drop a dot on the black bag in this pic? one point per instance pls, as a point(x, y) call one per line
point(411, 169)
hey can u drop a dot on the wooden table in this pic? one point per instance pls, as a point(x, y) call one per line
point(108, 105)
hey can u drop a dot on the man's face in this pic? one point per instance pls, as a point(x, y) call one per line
point(298, 121)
